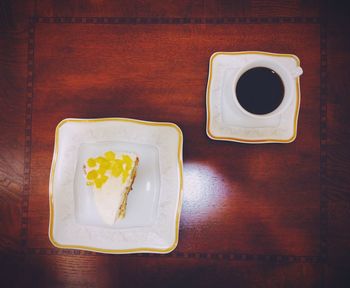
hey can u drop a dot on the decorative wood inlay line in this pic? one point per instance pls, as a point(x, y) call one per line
point(178, 21)
point(28, 134)
point(323, 142)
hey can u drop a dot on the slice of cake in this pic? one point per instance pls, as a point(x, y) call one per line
point(111, 177)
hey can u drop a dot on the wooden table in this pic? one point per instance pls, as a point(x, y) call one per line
point(253, 215)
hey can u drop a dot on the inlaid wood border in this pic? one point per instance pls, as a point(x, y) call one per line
point(27, 135)
point(322, 257)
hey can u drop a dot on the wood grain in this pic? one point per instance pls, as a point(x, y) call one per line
point(337, 180)
point(82, 271)
point(162, 72)
point(297, 226)
point(13, 63)
point(180, 8)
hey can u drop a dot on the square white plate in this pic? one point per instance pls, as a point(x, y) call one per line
point(152, 219)
point(226, 122)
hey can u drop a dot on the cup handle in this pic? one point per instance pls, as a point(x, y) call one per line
point(297, 72)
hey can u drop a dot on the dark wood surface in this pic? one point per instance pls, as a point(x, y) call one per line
point(253, 215)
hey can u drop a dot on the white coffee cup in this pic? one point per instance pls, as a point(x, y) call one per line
point(287, 77)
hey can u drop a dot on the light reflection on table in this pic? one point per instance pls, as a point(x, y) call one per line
point(203, 193)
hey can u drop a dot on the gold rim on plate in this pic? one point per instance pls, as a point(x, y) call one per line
point(296, 113)
point(116, 251)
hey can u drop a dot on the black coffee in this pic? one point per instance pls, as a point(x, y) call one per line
point(260, 90)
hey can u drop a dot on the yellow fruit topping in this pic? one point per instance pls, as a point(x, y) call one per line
point(110, 155)
point(105, 165)
point(100, 159)
point(92, 175)
point(127, 160)
point(101, 171)
point(98, 183)
point(117, 167)
point(91, 162)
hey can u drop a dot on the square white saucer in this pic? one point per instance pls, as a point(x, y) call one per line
point(152, 219)
point(226, 122)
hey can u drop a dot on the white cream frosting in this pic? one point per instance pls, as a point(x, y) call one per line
point(109, 197)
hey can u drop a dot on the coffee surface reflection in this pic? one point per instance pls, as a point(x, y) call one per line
point(260, 90)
